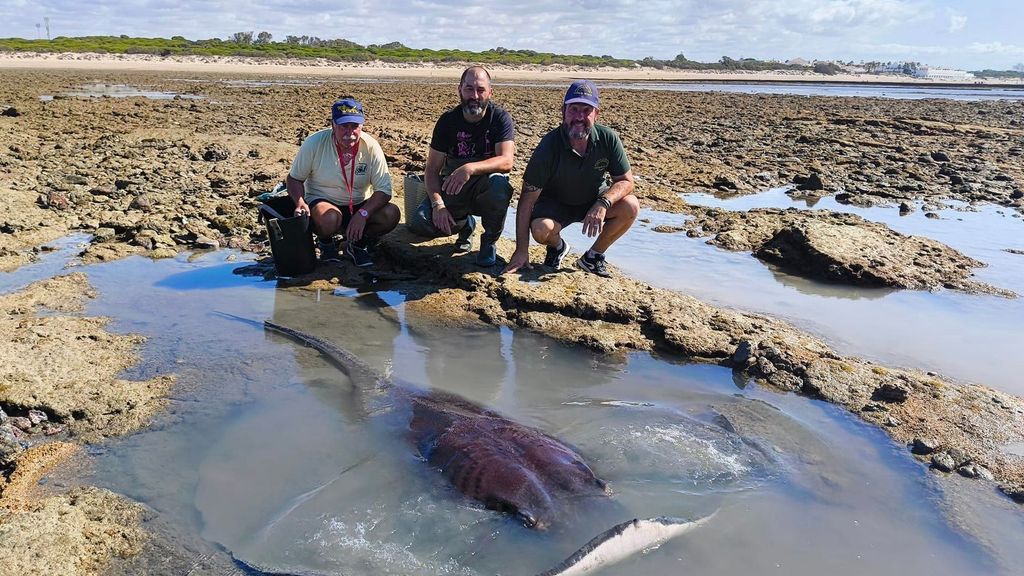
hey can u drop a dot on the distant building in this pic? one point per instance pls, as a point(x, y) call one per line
point(798, 62)
point(943, 74)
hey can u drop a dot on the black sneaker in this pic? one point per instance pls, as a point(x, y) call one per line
point(594, 265)
point(329, 252)
point(360, 255)
point(553, 258)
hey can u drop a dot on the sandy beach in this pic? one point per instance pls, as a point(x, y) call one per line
point(325, 68)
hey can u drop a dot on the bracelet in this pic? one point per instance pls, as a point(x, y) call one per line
point(607, 203)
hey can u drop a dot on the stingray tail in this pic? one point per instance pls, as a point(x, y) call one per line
point(361, 373)
point(622, 541)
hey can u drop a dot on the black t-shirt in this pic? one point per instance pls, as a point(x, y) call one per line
point(463, 142)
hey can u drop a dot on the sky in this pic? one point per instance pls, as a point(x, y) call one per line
point(970, 35)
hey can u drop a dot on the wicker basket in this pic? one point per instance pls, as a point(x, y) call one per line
point(414, 190)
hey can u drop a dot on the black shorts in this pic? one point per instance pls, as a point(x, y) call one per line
point(346, 215)
point(564, 214)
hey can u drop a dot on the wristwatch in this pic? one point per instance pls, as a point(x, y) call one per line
point(364, 213)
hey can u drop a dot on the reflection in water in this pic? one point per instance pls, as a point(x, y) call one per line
point(264, 450)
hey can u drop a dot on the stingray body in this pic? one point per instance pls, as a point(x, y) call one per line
point(504, 465)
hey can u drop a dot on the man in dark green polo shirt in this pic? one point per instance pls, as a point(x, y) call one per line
point(567, 181)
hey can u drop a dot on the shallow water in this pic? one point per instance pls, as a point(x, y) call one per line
point(896, 92)
point(267, 450)
point(100, 90)
point(967, 337)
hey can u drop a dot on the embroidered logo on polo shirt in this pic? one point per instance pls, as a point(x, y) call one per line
point(601, 165)
point(361, 168)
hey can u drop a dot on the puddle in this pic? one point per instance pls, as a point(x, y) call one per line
point(54, 258)
point(100, 90)
point(266, 450)
point(969, 338)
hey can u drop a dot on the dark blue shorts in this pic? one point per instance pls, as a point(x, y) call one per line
point(346, 215)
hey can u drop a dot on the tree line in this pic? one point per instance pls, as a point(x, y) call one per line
point(262, 44)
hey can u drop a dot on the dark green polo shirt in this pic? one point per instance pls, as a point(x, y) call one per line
point(567, 177)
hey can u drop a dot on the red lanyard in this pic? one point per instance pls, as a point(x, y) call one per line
point(350, 178)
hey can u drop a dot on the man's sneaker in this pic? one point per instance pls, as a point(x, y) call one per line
point(553, 258)
point(594, 265)
point(329, 252)
point(464, 243)
point(360, 255)
point(488, 254)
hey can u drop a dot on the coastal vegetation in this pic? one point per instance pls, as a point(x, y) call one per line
point(262, 44)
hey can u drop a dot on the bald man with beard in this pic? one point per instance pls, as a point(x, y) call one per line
point(470, 156)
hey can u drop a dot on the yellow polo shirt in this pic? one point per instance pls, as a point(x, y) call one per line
point(317, 166)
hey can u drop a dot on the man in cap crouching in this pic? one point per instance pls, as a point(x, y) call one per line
point(567, 181)
point(340, 179)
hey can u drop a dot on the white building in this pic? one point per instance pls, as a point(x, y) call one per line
point(943, 74)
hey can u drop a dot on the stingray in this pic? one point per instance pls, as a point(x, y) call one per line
point(506, 466)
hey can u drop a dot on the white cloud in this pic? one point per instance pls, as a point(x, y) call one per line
point(996, 48)
point(957, 22)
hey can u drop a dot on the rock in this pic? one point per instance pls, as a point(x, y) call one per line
point(104, 234)
point(206, 243)
point(725, 183)
point(944, 462)
point(10, 447)
point(1016, 194)
point(1015, 491)
point(55, 199)
point(37, 416)
point(905, 208)
point(144, 202)
point(742, 355)
point(940, 156)
point(892, 421)
point(975, 471)
point(931, 215)
point(21, 423)
point(216, 153)
point(924, 446)
point(106, 190)
point(813, 182)
point(958, 456)
point(890, 392)
point(3, 416)
point(10, 111)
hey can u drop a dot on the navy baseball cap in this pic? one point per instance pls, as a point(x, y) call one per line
point(583, 91)
point(347, 110)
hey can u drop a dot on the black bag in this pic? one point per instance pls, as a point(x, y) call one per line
point(291, 240)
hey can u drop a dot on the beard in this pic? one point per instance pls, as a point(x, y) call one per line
point(579, 130)
point(474, 107)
